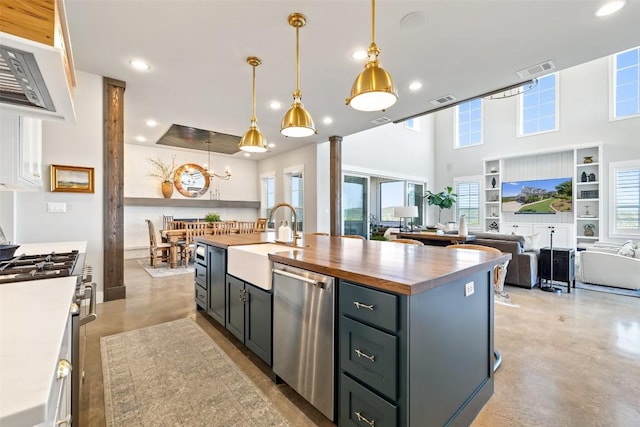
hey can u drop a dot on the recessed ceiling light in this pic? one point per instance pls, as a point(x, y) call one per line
point(275, 105)
point(247, 154)
point(327, 120)
point(413, 86)
point(151, 123)
point(271, 145)
point(140, 138)
point(139, 64)
point(359, 54)
point(610, 8)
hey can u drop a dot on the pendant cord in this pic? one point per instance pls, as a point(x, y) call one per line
point(253, 95)
point(297, 61)
point(373, 22)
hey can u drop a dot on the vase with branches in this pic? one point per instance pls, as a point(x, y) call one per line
point(165, 172)
point(443, 200)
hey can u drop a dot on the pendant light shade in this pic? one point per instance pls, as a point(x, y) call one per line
point(373, 89)
point(297, 122)
point(253, 141)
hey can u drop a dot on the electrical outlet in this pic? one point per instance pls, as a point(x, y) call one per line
point(468, 289)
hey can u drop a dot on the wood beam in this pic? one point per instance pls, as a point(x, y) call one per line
point(113, 197)
point(335, 185)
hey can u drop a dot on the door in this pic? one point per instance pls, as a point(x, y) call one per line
point(355, 202)
point(257, 322)
point(217, 272)
point(235, 307)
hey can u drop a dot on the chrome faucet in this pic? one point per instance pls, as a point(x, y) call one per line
point(296, 236)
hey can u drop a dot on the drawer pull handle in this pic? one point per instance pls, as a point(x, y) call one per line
point(360, 417)
point(361, 305)
point(365, 355)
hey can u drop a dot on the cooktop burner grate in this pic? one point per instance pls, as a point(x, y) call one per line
point(35, 267)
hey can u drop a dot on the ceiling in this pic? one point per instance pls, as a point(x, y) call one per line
point(199, 77)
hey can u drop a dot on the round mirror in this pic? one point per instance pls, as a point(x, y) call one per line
point(191, 180)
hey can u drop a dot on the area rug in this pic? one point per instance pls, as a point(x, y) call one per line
point(163, 270)
point(174, 374)
point(609, 289)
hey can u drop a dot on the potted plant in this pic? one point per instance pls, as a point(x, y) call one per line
point(443, 200)
point(212, 217)
point(164, 172)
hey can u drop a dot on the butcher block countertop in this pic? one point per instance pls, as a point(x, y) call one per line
point(395, 267)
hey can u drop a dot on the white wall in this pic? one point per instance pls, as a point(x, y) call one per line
point(75, 145)
point(584, 118)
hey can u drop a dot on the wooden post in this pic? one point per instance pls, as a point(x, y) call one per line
point(113, 219)
point(335, 185)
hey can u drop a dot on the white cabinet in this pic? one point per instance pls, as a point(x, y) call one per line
point(588, 206)
point(562, 233)
point(21, 146)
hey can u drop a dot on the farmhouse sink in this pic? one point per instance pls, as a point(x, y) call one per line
point(251, 262)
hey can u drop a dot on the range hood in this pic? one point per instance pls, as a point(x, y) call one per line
point(36, 68)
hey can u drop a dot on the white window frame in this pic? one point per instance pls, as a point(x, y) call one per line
point(477, 179)
point(613, 168)
point(520, 115)
point(264, 177)
point(612, 88)
point(456, 127)
point(288, 188)
point(412, 124)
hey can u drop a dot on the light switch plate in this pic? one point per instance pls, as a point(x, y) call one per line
point(56, 207)
point(468, 289)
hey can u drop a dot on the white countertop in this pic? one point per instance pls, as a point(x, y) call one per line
point(33, 318)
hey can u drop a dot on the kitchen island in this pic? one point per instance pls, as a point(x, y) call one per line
point(414, 326)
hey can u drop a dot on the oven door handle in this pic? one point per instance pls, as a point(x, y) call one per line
point(91, 291)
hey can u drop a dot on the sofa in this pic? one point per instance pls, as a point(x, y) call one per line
point(523, 267)
point(611, 264)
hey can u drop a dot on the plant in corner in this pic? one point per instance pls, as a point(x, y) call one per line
point(212, 217)
point(443, 200)
point(164, 172)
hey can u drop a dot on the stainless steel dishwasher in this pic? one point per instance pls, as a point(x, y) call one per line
point(303, 344)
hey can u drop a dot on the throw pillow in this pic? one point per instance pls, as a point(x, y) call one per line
point(627, 250)
point(631, 244)
point(532, 243)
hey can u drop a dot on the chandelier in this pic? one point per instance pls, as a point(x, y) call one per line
point(210, 172)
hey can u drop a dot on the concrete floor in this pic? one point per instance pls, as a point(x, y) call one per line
point(568, 360)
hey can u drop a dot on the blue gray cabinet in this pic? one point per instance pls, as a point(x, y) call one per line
point(216, 272)
point(200, 278)
point(423, 359)
point(248, 316)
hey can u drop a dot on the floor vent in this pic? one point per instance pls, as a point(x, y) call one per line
point(381, 120)
point(443, 100)
point(535, 70)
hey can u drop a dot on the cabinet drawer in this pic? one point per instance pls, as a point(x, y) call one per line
point(201, 297)
point(363, 408)
point(369, 355)
point(201, 275)
point(371, 306)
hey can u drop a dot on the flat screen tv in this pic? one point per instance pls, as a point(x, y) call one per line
point(540, 196)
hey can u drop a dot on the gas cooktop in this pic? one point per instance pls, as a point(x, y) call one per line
point(34, 267)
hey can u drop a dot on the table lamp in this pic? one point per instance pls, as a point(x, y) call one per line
point(405, 212)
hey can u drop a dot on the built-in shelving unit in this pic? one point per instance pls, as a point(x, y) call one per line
point(588, 179)
point(190, 203)
point(492, 196)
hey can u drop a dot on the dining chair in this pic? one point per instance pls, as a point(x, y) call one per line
point(157, 251)
point(220, 227)
point(408, 241)
point(246, 227)
point(193, 230)
point(353, 236)
point(261, 224)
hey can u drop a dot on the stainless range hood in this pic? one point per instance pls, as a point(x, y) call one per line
point(37, 76)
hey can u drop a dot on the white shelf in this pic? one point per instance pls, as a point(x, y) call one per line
point(588, 183)
point(588, 237)
point(587, 200)
point(586, 165)
point(587, 218)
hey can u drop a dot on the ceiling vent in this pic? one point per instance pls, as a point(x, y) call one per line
point(381, 120)
point(536, 70)
point(443, 100)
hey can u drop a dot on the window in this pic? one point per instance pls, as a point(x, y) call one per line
point(391, 195)
point(268, 196)
point(469, 123)
point(415, 193)
point(412, 124)
point(468, 201)
point(625, 181)
point(296, 196)
point(539, 106)
point(627, 84)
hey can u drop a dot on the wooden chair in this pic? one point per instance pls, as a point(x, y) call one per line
point(408, 241)
point(219, 227)
point(353, 236)
point(261, 224)
point(157, 251)
point(499, 272)
point(246, 227)
point(193, 229)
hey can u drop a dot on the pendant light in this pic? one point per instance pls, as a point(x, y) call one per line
point(253, 140)
point(373, 89)
point(297, 122)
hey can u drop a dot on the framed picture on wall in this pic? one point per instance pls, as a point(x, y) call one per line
point(71, 179)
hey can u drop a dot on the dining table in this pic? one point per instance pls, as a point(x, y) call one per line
point(173, 237)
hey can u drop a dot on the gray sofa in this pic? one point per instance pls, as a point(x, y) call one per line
point(523, 267)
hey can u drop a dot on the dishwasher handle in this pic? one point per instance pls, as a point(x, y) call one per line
point(319, 284)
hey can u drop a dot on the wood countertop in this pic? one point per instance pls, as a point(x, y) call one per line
point(395, 267)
